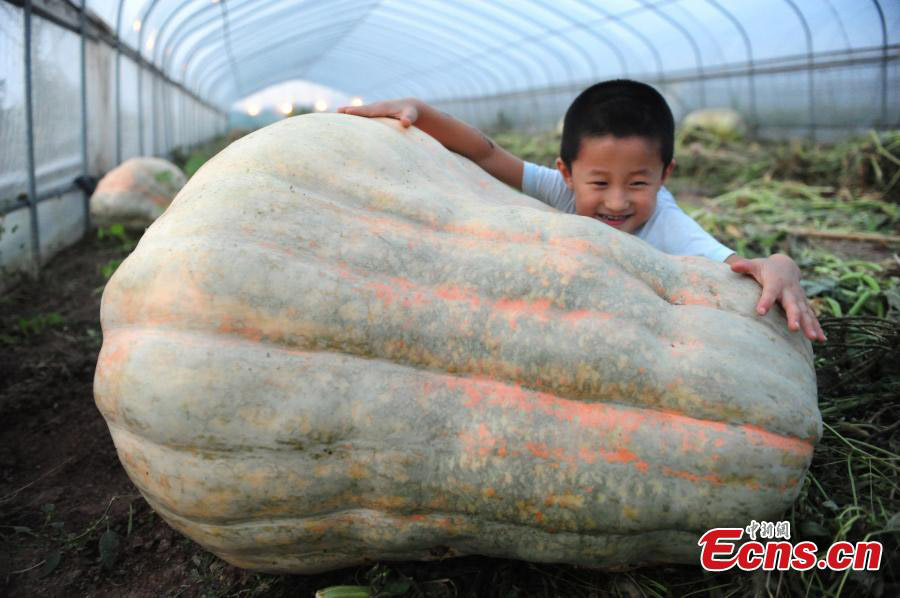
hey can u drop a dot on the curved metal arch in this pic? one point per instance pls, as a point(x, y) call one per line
point(185, 29)
point(729, 81)
point(699, 25)
point(490, 75)
point(203, 44)
point(577, 47)
point(494, 75)
point(290, 74)
point(570, 75)
point(298, 69)
point(654, 52)
point(465, 36)
point(119, 83)
point(748, 48)
point(226, 30)
point(608, 17)
point(584, 53)
point(170, 18)
point(531, 57)
point(482, 53)
point(197, 54)
point(840, 23)
point(884, 59)
point(618, 20)
point(809, 67)
point(301, 72)
point(691, 42)
point(145, 18)
point(417, 18)
point(140, 81)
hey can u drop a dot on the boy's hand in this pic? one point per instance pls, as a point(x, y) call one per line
point(406, 110)
point(779, 278)
point(453, 134)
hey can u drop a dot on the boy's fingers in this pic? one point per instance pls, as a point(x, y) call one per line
point(809, 323)
point(792, 311)
point(377, 109)
point(766, 300)
point(407, 116)
point(742, 267)
point(800, 316)
point(751, 268)
point(814, 329)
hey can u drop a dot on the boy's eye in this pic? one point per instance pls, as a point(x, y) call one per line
point(638, 183)
point(599, 183)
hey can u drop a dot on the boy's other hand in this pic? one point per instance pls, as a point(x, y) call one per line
point(779, 278)
point(406, 110)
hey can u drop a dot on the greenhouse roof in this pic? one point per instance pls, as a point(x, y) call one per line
point(225, 50)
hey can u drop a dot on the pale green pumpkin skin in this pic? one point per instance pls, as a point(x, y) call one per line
point(342, 343)
point(136, 192)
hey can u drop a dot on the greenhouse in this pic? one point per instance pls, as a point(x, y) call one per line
point(324, 298)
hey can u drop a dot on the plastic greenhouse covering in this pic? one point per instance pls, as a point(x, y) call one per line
point(86, 84)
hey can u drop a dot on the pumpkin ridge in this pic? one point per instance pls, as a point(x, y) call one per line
point(745, 483)
point(628, 545)
point(548, 410)
point(316, 519)
point(659, 389)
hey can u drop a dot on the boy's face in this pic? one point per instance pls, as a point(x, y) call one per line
point(615, 180)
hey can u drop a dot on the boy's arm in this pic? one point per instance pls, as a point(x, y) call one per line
point(779, 277)
point(453, 134)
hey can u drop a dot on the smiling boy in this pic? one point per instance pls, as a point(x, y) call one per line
point(616, 153)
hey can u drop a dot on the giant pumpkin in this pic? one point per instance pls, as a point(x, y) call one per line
point(343, 343)
point(136, 192)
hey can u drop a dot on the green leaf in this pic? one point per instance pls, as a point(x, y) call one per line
point(344, 592)
point(109, 548)
point(50, 563)
point(814, 287)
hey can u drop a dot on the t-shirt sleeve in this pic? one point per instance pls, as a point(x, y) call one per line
point(547, 185)
point(676, 233)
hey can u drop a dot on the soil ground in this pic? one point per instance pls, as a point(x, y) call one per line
point(64, 494)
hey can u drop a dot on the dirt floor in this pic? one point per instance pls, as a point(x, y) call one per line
point(71, 522)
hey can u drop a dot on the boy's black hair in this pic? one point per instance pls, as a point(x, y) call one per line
point(621, 108)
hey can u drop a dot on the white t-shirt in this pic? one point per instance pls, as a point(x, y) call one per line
point(668, 229)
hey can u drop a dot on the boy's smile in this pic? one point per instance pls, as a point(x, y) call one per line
point(615, 180)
